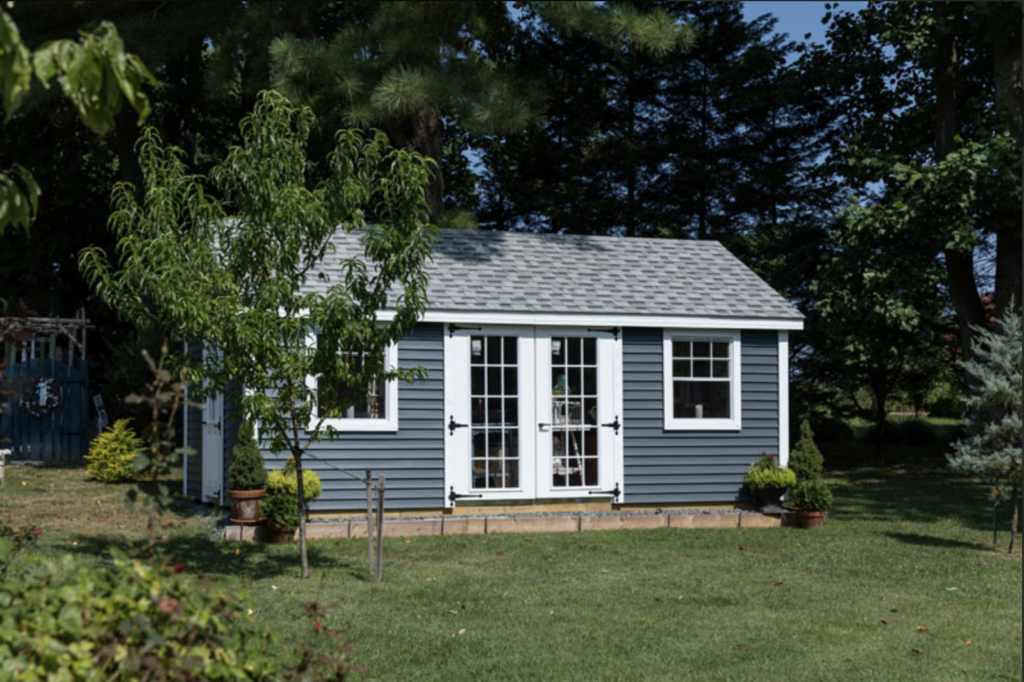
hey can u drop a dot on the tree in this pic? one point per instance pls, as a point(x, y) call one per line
point(933, 90)
point(992, 447)
point(223, 259)
point(95, 74)
point(408, 67)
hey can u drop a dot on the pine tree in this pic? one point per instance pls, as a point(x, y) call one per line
point(805, 459)
point(992, 447)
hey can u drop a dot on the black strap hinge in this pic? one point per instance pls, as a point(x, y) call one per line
point(452, 328)
point(615, 425)
point(454, 496)
point(614, 492)
point(452, 425)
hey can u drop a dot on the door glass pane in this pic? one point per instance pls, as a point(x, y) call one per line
point(494, 383)
point(574, 432)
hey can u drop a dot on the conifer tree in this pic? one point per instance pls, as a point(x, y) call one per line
point(805, 459)
point(992, 447)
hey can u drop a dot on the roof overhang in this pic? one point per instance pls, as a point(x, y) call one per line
point(601, 320)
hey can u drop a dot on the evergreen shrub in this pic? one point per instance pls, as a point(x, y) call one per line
point(111, 457)
point(247, 471)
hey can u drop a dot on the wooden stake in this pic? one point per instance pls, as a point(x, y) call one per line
point(369, 520)
point(380, 526)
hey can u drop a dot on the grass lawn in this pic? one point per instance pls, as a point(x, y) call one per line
point(903, 584)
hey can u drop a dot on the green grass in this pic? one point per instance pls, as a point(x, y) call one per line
point(910, 546)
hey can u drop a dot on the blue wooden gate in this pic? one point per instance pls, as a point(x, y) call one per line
point(48, 421)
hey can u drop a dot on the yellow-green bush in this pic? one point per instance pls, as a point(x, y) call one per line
point(111, 455)
point(283, 481)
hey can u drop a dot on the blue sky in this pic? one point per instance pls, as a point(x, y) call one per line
point(798, 18)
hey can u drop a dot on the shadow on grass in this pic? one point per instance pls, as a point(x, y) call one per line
point(938, 542)
point(912, 494)
point(205, 555)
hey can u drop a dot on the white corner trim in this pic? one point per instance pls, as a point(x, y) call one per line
point(389, 424)
point(184, 438)
point(784, 398)
point(618, 451)
point(585, 320)
point(735, 423)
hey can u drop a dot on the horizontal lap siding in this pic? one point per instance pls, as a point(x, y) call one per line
point(673, 467)
point(412, 460)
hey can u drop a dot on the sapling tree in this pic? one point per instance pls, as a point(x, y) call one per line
point(992, 447)
point(224, 259)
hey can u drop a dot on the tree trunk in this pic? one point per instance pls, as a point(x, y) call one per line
point(1006, 57)
point(303, 557)
point(963, 288)
point(881, 395)
point(423, 132)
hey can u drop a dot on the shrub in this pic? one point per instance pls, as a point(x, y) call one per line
point(281, 509)
point(247, 471)
point(805, 458)
point(136, 621)
point(766, 473)
point(284, 481)
point(111, 457)
point(813, 495)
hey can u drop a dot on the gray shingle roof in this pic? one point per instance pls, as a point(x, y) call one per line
point(476, 270)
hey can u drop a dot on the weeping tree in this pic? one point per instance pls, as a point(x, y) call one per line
point(224, 260)
point(992, 447)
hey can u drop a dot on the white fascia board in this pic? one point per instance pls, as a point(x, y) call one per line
point(585, 320)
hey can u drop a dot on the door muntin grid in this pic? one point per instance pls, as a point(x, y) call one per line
point(494, 412)
point(575, 451)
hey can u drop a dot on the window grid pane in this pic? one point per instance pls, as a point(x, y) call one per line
point(702, 379)
point(494, 411)
point(574, 435)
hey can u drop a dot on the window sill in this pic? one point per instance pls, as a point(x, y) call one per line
point(358, 426)
point(702, 425)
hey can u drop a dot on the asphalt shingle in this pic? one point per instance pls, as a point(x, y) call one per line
point(476, 270)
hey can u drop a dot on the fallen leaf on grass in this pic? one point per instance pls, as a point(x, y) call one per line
point(778, 584)
point(615, 591)
point(922, 628)
point(894, 610)
point(273, 587)
point(738, 646)
point(500, 552)
point(968, 642)
point(918, 651)
point(462, 631)
point(885, 622)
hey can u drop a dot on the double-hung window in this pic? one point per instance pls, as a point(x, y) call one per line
point(375, 407)
point(702, 381)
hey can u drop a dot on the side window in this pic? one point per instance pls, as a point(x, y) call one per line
point(702, 387)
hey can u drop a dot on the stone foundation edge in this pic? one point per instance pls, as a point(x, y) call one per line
point(463, 525)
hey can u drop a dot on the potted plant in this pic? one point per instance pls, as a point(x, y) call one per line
point(247, 478)
point(767, 481)
point(281, 506)
point(812, 499)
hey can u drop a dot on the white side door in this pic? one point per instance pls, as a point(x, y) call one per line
point(490, 430)
point(213, 447)
point(578, 417)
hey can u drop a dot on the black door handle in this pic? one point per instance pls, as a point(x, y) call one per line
point(615, 425)
point(452, 425)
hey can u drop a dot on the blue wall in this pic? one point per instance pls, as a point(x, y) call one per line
point(412, 460)
point(671, 467)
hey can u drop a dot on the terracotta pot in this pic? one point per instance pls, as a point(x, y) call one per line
point(810, 519)
point(245, 506)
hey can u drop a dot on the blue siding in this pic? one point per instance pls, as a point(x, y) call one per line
point(412, 460)
point(671, 467)
point(194, 485)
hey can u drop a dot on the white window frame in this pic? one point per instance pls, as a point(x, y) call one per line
point(387, 424)
point(734, 423)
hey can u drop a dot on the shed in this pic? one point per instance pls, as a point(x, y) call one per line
point(560, 370)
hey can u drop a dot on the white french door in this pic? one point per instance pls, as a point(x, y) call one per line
point(531, 413)
point(576, 420)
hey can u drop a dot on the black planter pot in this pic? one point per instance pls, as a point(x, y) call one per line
point(770, 496)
